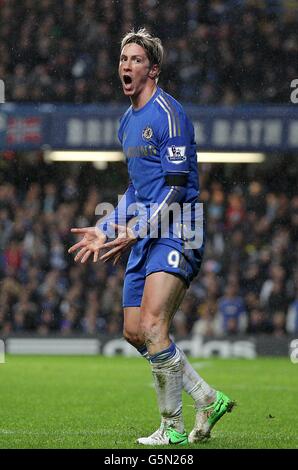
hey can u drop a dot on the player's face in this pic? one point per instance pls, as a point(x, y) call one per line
point(134, 69)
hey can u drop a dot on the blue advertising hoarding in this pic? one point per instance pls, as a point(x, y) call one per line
point(94, 127)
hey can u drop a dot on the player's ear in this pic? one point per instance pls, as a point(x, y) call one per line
point(154, 71)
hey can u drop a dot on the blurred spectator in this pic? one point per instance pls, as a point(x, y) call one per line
point(279, 323)
point(276, 277)
point(255, 198)
point(292, 317)
point(258, 322)
point(235, 211)
point(209, 324)
point(231, 311)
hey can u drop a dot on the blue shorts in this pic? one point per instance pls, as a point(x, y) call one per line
point(154, 255)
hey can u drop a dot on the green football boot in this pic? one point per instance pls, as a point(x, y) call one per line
point(164, 436)
point(208, 416)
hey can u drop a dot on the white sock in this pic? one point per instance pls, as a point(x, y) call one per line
point(193, 383)
point(167, 374)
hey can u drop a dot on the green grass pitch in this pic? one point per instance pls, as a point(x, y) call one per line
point(99, 402)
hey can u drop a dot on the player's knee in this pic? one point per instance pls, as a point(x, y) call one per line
point(133, 337)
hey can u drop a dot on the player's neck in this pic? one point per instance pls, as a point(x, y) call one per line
point(140, 100)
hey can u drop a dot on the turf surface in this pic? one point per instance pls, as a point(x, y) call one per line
point(99, 402)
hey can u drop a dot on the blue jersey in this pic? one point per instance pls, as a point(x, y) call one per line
point(157, 140)
point(160, 150)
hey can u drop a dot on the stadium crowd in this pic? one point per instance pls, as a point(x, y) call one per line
point(217, 51)
point(248, 281)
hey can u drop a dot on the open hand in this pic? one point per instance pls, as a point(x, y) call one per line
point(92, 242)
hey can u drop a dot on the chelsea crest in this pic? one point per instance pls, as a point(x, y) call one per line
point(147, 133)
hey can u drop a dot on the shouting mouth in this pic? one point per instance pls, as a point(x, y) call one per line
point(127, 82)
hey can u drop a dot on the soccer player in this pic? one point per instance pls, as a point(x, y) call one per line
point(158, 142)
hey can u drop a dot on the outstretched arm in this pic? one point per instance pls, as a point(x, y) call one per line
point(94, 238)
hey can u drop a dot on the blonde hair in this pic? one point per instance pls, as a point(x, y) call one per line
point(152, 46)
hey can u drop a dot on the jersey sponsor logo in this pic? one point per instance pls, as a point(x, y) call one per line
point(176, 154)
point(141, 151)
point(147, 133)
